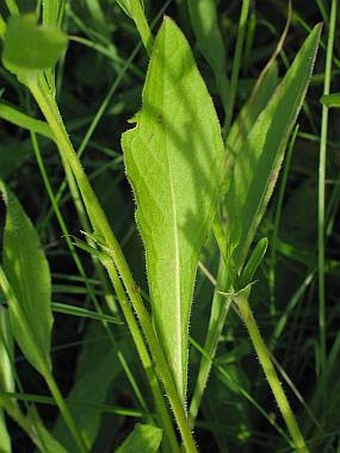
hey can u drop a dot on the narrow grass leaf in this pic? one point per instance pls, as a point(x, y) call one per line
point(127, 6)
point(173, 160)
point(5, 440)
point(241, 127)
point(204, 20)
point(97, 17)
point(253, 263)
point(45, 440)
point(26, 284)
point(6, 361)
point(331, 100)
point(6, 353)
point(20, 119)
point(144, 439)
point(53, 12)
point(256, 169)
point(262, 92)
point(46, 45)
point(74, 310)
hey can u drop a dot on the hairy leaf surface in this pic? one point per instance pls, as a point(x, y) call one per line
point(174, 162)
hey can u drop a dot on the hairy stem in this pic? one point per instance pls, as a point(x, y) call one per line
point(103, 230)
point(270, 372)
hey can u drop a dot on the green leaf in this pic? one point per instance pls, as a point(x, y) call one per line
point(262, 92)
point(173, 160)
point(46, 45)
point(331, 100)
point(98, 367)
point(53, 11)
point(46, 442)
point(74, 310)
point(26, 284)
point(2, 27)
point(241, 127)
point(97, 17)
point(257, 166)
point(5, 440)
point(253, 263)
point(144, 439)
point(6, 353)
point(20, 119)
point(7, 384)
point(203, 15)
point(127, 6)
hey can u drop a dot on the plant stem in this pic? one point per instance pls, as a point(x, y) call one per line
point(219, 311)
point(78, 263)
point(102, 228)
point(52, 385)
point(144, 356)
point(322, 190)
point(142, 25)
point(270, 373)
point(241, 30)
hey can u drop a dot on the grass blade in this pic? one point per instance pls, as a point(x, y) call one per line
point(173, 159)
point(322, 188)
point(20, 119)
point(144, 439)
point(203, 15)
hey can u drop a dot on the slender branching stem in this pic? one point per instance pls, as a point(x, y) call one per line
point(102, 228)
point(270, 372)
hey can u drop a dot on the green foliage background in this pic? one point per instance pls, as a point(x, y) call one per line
point(98, 85)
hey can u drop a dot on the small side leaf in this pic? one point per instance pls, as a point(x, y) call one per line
point(254, 261)
point(45, 441)
point(26, 284)
point(144, 439)
point(46, 45)
point(53, 11)
point(257, 166)
point(127, 6)
point(5, 440)
point(174, 161)
point(6, 353)
point(331, 100)
point(20, 119)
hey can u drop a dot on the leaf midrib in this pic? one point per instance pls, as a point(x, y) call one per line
point(178, 351)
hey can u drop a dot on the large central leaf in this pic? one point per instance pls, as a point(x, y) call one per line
point(174, 162)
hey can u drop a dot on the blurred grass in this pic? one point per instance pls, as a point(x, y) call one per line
point(99, 88)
